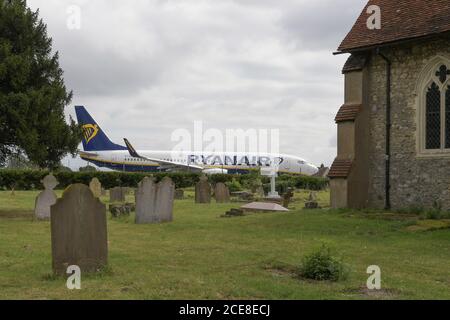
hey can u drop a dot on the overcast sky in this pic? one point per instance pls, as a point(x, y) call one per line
point(144, 68)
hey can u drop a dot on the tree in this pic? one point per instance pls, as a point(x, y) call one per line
point(18, 161)
point(88, 168)
point(32, 91)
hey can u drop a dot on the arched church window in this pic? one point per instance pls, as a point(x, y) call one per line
point(435, 110)
point(433, 118)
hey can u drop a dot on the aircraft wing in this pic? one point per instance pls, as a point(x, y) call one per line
point(163, 163)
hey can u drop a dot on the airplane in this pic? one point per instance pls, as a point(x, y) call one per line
point(99, 150)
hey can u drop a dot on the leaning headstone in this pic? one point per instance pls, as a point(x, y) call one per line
point(46, 198)
point(154, 202)
point(117, 194)
point(78, 228)
point(203, 191)
point(165, 193)
point(179, 194)
point(145, 198)
point(221, 193)
point(96, 187)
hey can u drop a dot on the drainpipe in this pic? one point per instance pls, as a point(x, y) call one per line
point(388, 130)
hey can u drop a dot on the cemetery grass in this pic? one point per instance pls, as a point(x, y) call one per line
point(203, 256)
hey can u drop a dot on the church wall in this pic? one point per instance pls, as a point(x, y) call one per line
point(415, 181)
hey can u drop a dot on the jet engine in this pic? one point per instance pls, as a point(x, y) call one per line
point(215, 171)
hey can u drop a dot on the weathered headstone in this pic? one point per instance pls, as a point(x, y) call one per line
point(257, 188)
point(117, 194)
point(179, 194)
point(165, 193)
point(260, 192)
point(96, 187)
point(287, 198)
point(221, 193)
point(78, 228)
point(46, 198)
point(154, 202)
point(312, 202)
point(120, 209)
point(203, 191)
point(145, 197)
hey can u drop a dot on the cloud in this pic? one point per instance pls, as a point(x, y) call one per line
point(147, 68)
point(321, 25)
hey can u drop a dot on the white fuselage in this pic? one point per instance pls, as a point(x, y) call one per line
point(213, 162)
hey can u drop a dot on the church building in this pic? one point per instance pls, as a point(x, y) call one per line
point(394, 125)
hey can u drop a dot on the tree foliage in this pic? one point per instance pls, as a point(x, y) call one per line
point(32, 90)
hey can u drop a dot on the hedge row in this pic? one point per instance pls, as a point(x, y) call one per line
point(31, 179)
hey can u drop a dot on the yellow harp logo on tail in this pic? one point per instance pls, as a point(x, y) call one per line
point(89, 132)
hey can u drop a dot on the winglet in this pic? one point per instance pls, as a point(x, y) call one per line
point(131, 149)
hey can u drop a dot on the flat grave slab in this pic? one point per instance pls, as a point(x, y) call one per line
point(263, 207)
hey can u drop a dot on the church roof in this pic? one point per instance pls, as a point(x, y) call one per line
point(400, 20)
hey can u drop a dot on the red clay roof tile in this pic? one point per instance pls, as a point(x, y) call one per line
point(400, 20)
point(340, 169)
point(347, 112)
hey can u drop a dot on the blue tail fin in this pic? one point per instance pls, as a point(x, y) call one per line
point(94, 139)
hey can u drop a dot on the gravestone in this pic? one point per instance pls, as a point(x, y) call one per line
point(46, 198)
point(118, 210)
point(260, 192)
point(312, 202)
point(203, 191)
point(165, 193)
point(117, 194)
point(96, 187)
point(221, 193)
point(154, 202)
point(78, 229)
point(145, 198)
point(257, 188)
point(179, 194)
point(287, 197)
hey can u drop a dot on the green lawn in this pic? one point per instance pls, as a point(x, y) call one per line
point(203, 256)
